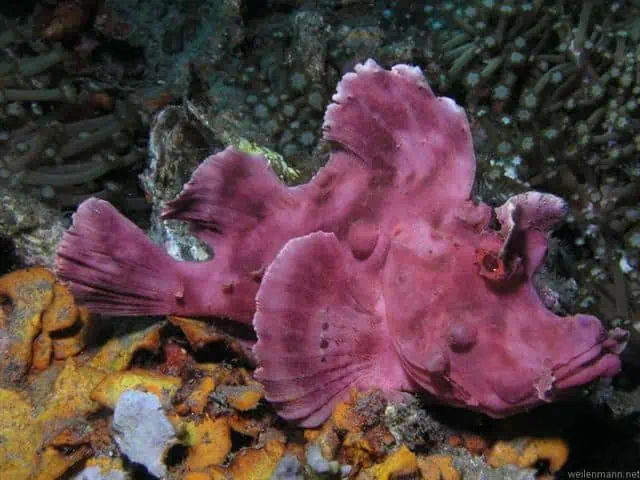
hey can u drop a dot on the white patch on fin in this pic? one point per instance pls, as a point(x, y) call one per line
point(451, 104)
point(341, 95)
point(369, 66)
point(413, 73)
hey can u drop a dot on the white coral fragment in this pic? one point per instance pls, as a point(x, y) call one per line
point(142, 431)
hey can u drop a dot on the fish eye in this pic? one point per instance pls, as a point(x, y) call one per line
point(491, 265)
point(490, 262)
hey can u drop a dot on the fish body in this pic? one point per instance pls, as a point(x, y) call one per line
point(379, 272)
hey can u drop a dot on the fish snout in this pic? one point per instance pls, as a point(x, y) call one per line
point(600, 360)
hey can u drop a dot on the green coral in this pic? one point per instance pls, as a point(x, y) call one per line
point(274, 159)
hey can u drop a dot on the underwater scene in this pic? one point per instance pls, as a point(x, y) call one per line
point(319, 239)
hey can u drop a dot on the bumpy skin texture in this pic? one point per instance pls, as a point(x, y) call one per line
point(378, 272)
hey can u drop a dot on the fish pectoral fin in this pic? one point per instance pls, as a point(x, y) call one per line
point(318, 332)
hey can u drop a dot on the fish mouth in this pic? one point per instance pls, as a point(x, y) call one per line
point(601, 360)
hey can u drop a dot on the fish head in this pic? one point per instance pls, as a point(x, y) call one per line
point(471, 328)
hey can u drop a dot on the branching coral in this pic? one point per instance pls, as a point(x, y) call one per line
point(60, 133)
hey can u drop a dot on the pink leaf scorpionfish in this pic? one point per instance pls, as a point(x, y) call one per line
point(379, 272)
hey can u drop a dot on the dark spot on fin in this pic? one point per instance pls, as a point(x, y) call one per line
point(257, 275)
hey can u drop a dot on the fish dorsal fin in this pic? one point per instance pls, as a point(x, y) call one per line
point(229, 191)
point(393, 121)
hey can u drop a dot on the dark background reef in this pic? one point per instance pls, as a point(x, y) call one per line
point(551, 89)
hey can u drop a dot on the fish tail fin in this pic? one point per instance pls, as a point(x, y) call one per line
point(113, 268)
point(318, 331)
